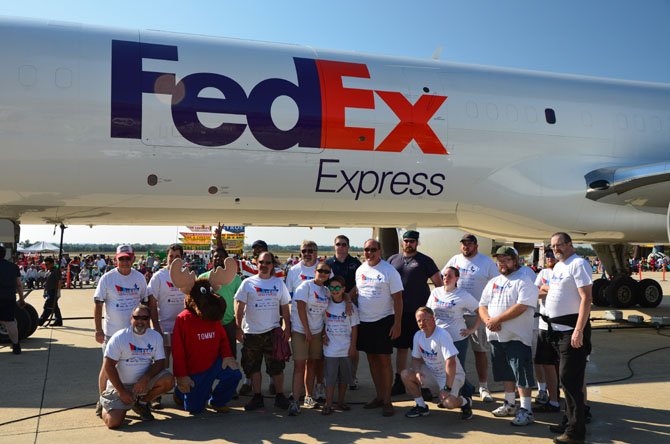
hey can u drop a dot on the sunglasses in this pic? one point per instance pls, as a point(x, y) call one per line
point(341, 244)
point(370, 250)
point(141, 318)
point(323, 271)
point(307, 250)
point(335, 287)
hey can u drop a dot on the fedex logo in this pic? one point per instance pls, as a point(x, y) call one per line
point(320, 96)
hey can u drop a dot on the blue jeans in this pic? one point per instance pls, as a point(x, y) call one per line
point(202, 392)
point(462, 346)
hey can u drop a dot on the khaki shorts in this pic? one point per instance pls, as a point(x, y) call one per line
point(110, 400)
point(428, 380)
point(478, 340)
point(303, 350)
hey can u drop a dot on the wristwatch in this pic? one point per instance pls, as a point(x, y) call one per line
point(446, 388)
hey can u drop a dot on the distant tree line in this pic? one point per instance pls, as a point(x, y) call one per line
point(100, 248)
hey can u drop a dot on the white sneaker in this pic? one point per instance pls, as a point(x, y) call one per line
point(320, 392)
point(523, 418)
point(505, 410)
point(485, 395)
point(309, 403)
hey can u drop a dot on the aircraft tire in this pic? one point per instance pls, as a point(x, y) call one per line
point(34, 318)
point(650, 293)
point(23, 324)
point(621, 292)
point(598, 292)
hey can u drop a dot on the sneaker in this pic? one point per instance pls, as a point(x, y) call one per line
point(587, 414)
point(417, 411)
point(178, 401)
point(320, 392)
point(398, 387)
point(281, 402)
point(245, 389)
point(272, 388)
point(567, 439)
point(560, 428)
point(143, 411)
point(547, 408)
point(542, 397)
point(485, 395)
point(523, 418)
point(466, 410)
point(293, 408)
point(219, 409)
point(354, 386)
point(98, 409)
point(255, 403)
point(505, 410)
point(156, 404)
point(426, 394)
point(310, 403)
point(16, 349)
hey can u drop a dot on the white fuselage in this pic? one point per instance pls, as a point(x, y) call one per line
point(106, 126)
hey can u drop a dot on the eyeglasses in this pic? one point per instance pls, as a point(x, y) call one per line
point(141, 318)
point(409, 241)
point(335, 287)
point(341, 244)
point(370, 250)
point(323, 271)
point(553, 247)
point(307, 250)
point(265, 262)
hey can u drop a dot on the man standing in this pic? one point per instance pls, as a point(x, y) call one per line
point(258, 304)
point(10, 285)
point(507, 308)
point(379, 296)
point(119, 292)
point(52, 287)
point(135, 363)
point(415, 269)
point(345, 265)
point(475, 270)
point(568, 305)
point(304, 270)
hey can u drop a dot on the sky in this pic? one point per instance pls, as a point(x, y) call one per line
point(624, 39)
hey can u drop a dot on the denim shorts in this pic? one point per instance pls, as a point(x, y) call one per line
point(512, 361)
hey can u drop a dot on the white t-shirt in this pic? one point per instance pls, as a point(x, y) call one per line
point(527, 271)
point(474, 272)
point(435, 351)
point(263, 298)
point(169, 298)
point(316, 297)
point(501, 293)
point(298, 274)
point(134, 353)
point(338, 329)
point(563, 297)
point(101, 263)
point(375, 286)
point(121, 295)
point(543, 278)
point(449, 309)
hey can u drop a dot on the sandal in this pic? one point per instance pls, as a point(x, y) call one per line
point(327, 410)
point(343, 407)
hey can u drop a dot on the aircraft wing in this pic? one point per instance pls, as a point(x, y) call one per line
point(646, 187)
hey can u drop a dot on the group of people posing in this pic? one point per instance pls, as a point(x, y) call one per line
point(330, 311)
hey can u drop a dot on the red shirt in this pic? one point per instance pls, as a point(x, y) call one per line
point(196, 344)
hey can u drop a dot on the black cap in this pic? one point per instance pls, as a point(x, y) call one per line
point(260, 244)
point(469, 238)
point(549, 254)
point(411, 234)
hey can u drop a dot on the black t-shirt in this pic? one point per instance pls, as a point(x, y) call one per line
point(414, 272)
point(346, 269)
point(8, 274)
point(52, 278)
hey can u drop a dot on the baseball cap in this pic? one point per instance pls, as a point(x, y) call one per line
point(411, 234)
point(469, 238)
point(549, 254)
point(506, 251)
point(124, 250)
point(260, 244)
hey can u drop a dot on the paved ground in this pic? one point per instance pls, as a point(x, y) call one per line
point(50, 390)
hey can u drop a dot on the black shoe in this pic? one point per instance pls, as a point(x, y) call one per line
point(281, 402)
point(16, 349)
point(178, 401)
point(143, 411)
point(255, 403)
point(426, 394)
point(245, 389)
point(57, 323)
point(466, 410)
point(157, 404)
point(41, 321)
point(560, 428)
point(546, 408)
point(417, 411)
point(587, 414)
point(398, 387)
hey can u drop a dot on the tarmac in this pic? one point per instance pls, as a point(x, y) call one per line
point(50, 391)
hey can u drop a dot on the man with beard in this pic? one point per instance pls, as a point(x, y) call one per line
point(415, 269)
point(568, 305)
point(135, 365)
point(507, 308)
point(475, 271)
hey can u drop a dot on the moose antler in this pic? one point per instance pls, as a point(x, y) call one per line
point(182, 279)
point(222, 276)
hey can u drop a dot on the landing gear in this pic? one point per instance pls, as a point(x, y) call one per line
point(650, 293)
point(621, 292)
point(598, 292)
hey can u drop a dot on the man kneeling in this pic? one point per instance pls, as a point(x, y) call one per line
point(434, 363)
point(135, 366)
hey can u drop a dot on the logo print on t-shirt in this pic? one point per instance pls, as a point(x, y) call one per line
point(267, 291)
point(377, 278)
point(127, 291)
point(305, 277)
point(320, 298)
point(139, 350)
point(336, 317)
point(427, 353)
point(169, 284)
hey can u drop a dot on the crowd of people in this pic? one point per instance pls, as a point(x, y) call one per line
point(329, 310)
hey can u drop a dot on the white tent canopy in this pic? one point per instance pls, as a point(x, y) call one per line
point(40, 247)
